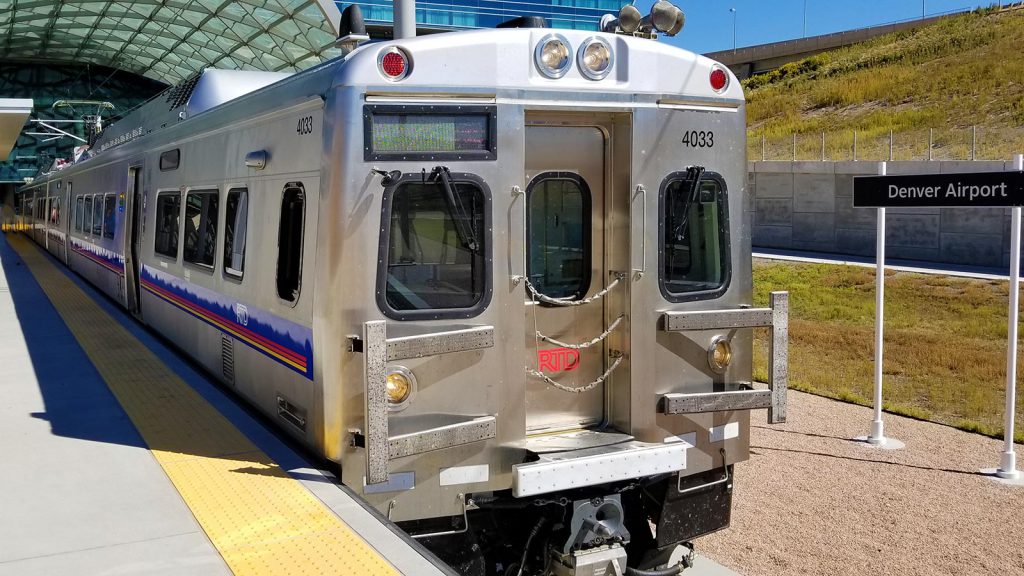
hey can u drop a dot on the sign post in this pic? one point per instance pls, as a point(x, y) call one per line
point(971, 190)
point(877, 436)
point(1008, 460)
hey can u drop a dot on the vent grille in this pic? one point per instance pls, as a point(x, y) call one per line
point(291, 413)
point(179, 95)
point(227, 358)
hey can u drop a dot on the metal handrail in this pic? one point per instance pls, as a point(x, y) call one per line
point(377, 350)
point(723, 480)
point(641, 191)
point(776, 317)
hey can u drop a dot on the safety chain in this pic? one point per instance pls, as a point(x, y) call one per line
point(584, 345)
point(618, 360)
point(537, 295)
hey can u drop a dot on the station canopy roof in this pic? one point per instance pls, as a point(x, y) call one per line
point(169, 40)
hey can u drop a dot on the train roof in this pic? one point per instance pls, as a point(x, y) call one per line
point(492, 62)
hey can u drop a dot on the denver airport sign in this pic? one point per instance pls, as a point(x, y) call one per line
point(971, 190)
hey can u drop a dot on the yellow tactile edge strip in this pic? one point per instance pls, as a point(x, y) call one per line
point(261, 520)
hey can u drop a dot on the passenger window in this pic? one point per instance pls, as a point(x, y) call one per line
point(694, 235)
point(55, 210)
point(170, 159)
point(558, 247)
point(97, 215)
point(79, 206)
point(87, 222)
point(168, 207)
point(289, 242)
point(234, 232)
point(436, 249)
point(109, 213)
point(201, 227)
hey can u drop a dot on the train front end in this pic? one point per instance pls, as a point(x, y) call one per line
point(540, 296)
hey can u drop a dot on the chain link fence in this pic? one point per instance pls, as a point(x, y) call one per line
point(973, 143)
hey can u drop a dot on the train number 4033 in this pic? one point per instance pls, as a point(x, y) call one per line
point(699, 139)
point(305, 125)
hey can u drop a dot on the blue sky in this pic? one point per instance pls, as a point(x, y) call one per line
point(709, 25)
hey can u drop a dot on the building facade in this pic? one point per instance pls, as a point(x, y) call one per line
point(462, 14)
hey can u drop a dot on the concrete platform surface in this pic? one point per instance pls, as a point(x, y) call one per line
point(82, 493)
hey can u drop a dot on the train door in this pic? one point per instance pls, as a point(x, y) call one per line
point(132, 237)
point(565, 270)
point(65, 225)
point(45, 220)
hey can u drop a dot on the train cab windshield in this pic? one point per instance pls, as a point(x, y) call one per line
point(435, 237)
point(695, 236)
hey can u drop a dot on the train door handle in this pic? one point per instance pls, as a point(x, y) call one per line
point(642, 192)
point(517, 278)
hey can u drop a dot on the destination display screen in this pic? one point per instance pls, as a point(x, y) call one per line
point(427, 133)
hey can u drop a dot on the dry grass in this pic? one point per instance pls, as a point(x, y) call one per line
point(959, 72)
point(945, 340)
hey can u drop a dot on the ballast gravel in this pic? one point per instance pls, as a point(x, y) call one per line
point(811, 501)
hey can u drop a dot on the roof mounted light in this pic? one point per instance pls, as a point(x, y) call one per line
point(627, 22)
point(595, 58)
point(553, 56)
point(394, 63)
point(667, 18)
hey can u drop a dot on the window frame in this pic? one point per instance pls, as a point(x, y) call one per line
point(588, 232)
point(79, 213)
point(302, 243)
point(93, 232)
point(215, 192)
point(87, 214)
point(156, 225)
point(55, 205)
point(224, 267)
point(168, 155)
point(725, 239)
point(385, 242)
point(103, 233)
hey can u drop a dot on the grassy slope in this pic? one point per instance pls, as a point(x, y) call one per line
point(962, 71)
point(945, 352)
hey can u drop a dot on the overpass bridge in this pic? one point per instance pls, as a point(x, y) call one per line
point(750, 60)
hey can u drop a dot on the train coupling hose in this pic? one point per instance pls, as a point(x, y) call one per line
point(672, 571)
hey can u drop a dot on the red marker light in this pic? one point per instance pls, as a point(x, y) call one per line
point(394, 65)
point(719, 79)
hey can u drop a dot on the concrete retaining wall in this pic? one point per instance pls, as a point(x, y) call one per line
point(809, 206)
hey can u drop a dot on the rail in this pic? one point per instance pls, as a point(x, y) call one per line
point(378, 350)
point(738, 397)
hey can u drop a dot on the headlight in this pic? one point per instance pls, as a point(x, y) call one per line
point(400, 384)
point(719, 354)
point(553, 56)
point(595, 58)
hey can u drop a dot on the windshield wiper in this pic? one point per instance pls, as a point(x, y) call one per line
point(463, 228)
point(694, 175)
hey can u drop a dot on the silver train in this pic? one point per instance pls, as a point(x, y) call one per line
point(502, 278)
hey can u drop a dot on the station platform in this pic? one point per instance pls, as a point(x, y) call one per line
point(120, 458)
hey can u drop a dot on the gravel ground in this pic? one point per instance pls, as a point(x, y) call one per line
point(810, 501)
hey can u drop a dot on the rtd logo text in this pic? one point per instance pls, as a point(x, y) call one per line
point(558, 360)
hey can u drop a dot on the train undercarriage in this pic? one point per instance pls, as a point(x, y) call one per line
point(641, 527)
